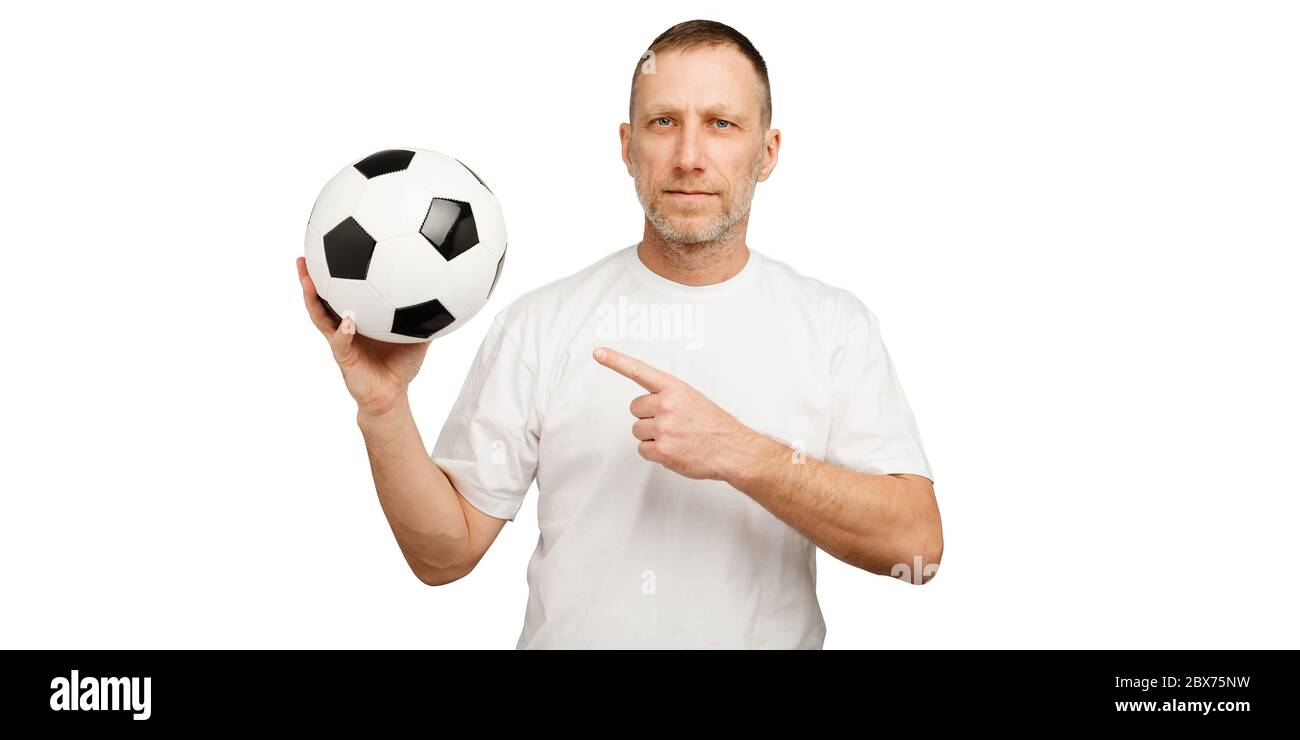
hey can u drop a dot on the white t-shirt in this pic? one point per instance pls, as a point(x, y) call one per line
point(631, 554)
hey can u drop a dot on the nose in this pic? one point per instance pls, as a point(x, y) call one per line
point(689, 154)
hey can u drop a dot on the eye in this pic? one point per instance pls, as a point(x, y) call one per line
point(720, 120)
point(662, 118)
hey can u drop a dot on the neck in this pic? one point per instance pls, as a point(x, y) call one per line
point(702, 263)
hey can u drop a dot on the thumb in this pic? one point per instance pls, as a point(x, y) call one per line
point(341, 339)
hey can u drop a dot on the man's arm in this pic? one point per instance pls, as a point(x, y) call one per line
point(441, 535)
point(873, 522)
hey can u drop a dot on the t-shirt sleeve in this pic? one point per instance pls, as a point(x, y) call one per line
point(488, 445)
point(872, 427)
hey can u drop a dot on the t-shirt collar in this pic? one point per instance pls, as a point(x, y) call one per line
point(653, 279)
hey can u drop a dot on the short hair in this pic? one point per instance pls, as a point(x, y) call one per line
point(701, 33)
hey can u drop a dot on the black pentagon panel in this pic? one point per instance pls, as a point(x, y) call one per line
point(476, 177)
point(333, 314)
point(422, 320)
point(500, 261)
point(348, 249)
point(449, 227)
point(382, 163)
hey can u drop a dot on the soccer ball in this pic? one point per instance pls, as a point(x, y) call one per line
point(407, 242)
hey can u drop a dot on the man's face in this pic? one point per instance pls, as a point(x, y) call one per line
point(696, 146)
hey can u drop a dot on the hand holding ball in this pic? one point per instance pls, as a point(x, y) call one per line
point(407, 242)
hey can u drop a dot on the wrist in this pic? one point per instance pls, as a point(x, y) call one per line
point(379, 412)
point(752, 461)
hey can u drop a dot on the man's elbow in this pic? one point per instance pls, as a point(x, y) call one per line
point(440, 573)
point(931, 557)
point(920, 547)
point(440, 576)
point(918, 563)
point(931, 552)
point(930, 535)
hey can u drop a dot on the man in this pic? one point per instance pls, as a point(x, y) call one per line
point(766, 418)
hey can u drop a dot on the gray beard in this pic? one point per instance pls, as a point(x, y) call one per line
point(697, 246)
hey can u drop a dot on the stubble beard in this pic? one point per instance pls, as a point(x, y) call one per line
point(689, 242)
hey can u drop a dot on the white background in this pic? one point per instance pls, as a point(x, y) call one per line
point(1077, 223)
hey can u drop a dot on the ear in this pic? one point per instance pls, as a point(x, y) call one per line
point(772, 145)
point(625, 141)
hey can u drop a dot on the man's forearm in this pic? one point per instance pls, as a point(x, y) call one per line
point(422, 506)
point(870, 521)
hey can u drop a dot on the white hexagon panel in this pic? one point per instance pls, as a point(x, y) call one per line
point(409, 242)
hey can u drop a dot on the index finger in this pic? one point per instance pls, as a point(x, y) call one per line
point(645, 375)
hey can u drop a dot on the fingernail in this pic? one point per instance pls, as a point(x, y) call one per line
point(600, 353)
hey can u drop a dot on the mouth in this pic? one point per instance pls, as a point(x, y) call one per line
point(688, 194)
